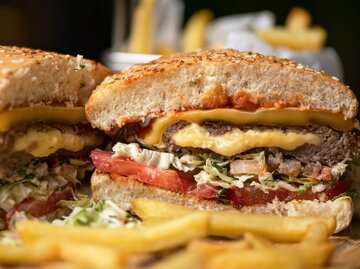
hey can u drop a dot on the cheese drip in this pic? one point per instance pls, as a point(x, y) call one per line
point(17, 116)
point(237, 141)
point(44, 143)
point(286, 117)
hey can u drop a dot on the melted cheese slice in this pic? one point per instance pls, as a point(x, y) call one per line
point(286, 116)
point(44, 143)
point(236, 141)
point(68, 115)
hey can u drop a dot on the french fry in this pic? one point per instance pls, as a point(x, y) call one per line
point(297, 34)
point(316, 233)
point(141, 34)
point(314, 248)
point(310, 255)
point(36, 253)
point(315, 255)
point(149, 209)
point(281, 229)
point(298, 18)
point(257, 242)
point(209, 248)
point(62, 265)
point(180, 260)
point(233, 223)
point(50, 250)
point(90, 255)
point(255, 259)
point(169, 234)
point(312, 39)
point(194, 33)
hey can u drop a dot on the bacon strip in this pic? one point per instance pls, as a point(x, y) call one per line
point(241, 167)
point(37, 207)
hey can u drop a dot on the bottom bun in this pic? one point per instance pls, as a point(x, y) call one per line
point(123, 190)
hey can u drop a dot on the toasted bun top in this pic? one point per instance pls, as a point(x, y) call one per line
point(33, 77)
point(213, 79)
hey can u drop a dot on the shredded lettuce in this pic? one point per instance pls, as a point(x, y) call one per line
point(215, 173)
point(338, 169)
point(81, 200)
point(15, 192)
point(318, 187)
point(300, 180)
point(305, 187)
point(155, 158)
point(101, 214)
point(217, 169)
point(149, 157)
point(187, 163)
point(240, 180)
point(37, 179)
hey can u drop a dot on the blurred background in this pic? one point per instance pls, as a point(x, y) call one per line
point(86, 26)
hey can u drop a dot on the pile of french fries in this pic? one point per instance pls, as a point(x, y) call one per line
point(142, 34)
point(296, 35)
point(172, 236)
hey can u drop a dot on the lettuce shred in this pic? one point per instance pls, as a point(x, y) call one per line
point(37, 179)
point(101, 214)
point(155, 158)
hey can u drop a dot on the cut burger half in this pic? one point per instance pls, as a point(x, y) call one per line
point(45, 139)
point(223, 129)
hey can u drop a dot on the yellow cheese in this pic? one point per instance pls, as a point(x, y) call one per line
point(68, 115)
point(285, 116)
point(44, 143)
point(236, 141)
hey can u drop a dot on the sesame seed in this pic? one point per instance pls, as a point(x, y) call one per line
point(1, 61)
point(335, 78)
point(2, 51)
point(109, 80)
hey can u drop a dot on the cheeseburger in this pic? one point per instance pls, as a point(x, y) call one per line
point(223, 129)
point(45, 139)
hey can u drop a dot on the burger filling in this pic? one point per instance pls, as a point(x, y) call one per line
point(41, 164)
point(238, 164)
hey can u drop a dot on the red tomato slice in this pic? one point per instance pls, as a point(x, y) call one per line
point(166, 179)
point(248, 196)
point(205, 191)
point(339, 188)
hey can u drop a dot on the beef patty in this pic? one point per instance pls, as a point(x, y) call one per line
point(12, 161)
point(336, 146)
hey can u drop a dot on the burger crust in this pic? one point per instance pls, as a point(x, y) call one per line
point(124, 190)
point(214, 79)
